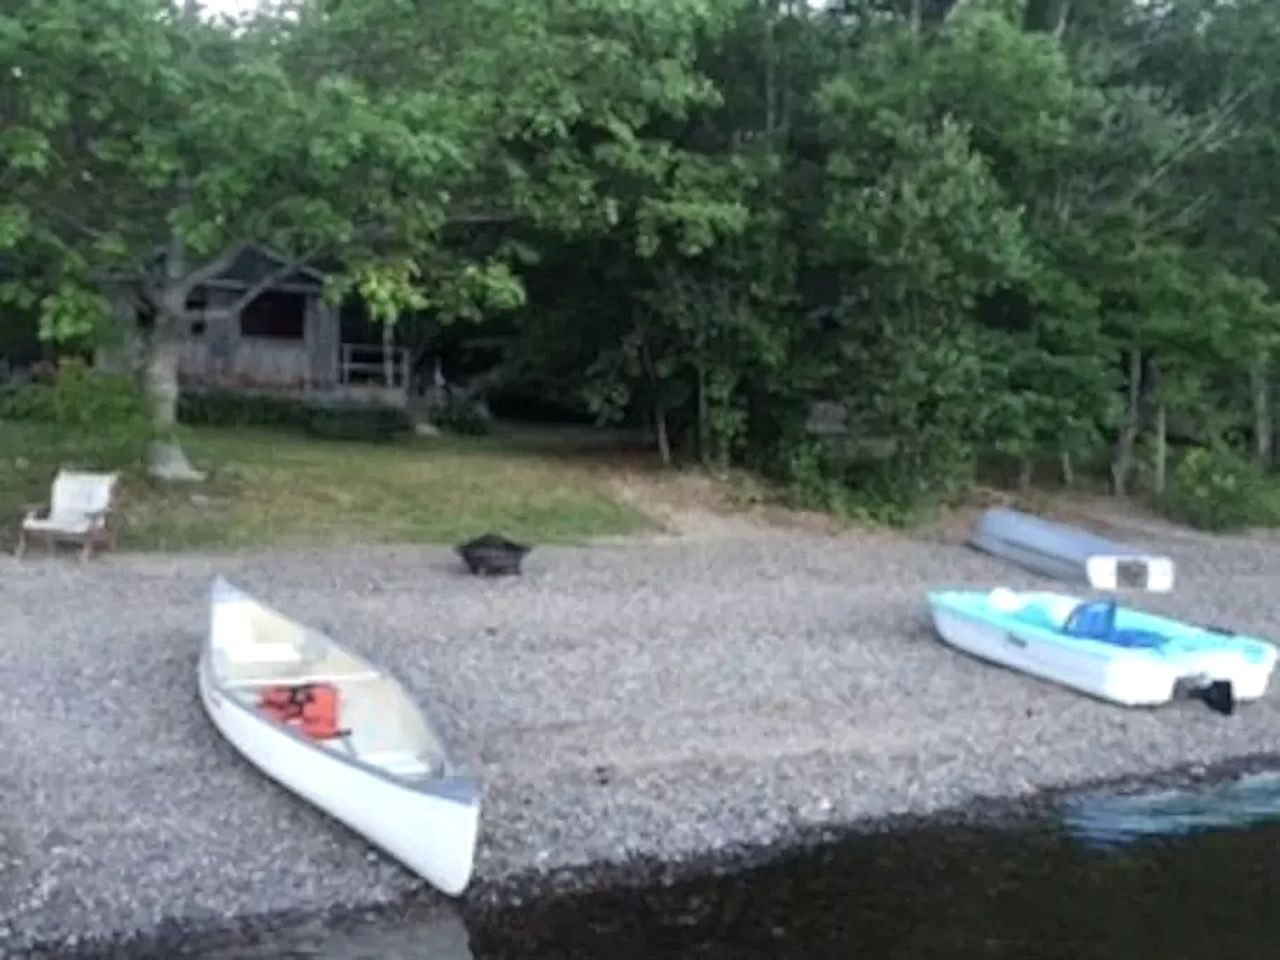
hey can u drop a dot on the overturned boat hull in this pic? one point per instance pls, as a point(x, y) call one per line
point(1070, 554)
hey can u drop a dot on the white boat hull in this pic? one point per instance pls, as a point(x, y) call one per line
point(1091, 674)
point(428, 824)
point(1130, 677)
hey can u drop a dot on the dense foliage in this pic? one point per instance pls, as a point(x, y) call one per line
point(90, 420)
point(1031, 233)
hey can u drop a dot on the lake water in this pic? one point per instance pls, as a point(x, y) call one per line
point(1169, 876)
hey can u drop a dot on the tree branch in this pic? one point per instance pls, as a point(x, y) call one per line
point(461, 219)
point(269, 280)
point(954, 10)
point(209, 270)
point(1195, 143)
point(74, 223)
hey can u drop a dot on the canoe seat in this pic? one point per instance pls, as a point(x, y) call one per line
point(400, 763)
point(299, 679)
point(386, 732)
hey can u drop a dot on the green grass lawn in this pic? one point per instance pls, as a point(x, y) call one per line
point(275, 488)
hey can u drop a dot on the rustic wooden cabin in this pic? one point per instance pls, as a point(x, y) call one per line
point(288, 340)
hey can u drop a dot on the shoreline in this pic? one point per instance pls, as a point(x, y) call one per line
point(488, 901)
point(637, 712)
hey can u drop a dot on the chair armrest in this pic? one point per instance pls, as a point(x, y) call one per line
point(100, 519)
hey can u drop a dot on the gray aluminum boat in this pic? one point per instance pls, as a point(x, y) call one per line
point(1070, 554)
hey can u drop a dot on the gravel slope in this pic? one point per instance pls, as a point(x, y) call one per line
point(669, 699)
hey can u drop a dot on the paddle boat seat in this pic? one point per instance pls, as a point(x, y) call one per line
point(1096, 620)
point(1089, 620)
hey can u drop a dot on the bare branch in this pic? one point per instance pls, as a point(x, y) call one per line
point(74, 223)
point(956, 8)
point(483, 218)
point(1193, 144)
point(209, 270)
point(269, 280)
point(1178, 221)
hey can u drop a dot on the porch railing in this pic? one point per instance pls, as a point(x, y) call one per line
point(374, 365)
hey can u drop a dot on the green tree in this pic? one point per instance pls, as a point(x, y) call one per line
point(919, 229)
point(147, 145)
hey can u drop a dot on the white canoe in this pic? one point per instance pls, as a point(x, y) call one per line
point(390, 778)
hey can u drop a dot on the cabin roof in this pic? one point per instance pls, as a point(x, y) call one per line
point(252, 262)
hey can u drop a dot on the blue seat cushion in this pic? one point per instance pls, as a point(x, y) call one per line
point(1096, 620)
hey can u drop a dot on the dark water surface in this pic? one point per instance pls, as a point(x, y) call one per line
point(1170, 876)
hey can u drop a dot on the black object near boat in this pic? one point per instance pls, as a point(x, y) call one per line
point(493, 555)
point(1220, 696)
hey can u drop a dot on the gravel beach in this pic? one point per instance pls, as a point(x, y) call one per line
point(665, 699)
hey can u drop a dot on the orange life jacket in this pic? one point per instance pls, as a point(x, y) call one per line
point(320, 713)
point(313, 707)
point(283, 704)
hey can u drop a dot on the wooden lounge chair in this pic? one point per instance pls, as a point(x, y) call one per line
point(79, 511)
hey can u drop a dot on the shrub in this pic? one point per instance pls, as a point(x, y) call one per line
point(851, 480)
point(32, 401)
point(96, 420)
point(351, 422)
point(814, 480)
point(1215, 488)
point(225, 408)
point(462, 417)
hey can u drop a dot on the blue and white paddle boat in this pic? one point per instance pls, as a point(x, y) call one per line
point(1100, 648)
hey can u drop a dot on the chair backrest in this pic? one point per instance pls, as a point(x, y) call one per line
point(80, 494)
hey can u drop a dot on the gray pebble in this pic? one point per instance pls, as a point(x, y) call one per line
point(734, 693)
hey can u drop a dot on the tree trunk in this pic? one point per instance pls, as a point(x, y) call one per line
point(1160, 480)
point(660, 429)
point(770, 70)
point(1260, 386)
point(1047, 16)
point(1123, 461)
point(1068, 471)
point(164, 351)
point(659, 408)
point(1025, 470)
point(1160, 469)
point(704, 438)
point(782, 78)
point(166, 459)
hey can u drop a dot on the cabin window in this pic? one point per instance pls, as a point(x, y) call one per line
point(275, 314)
